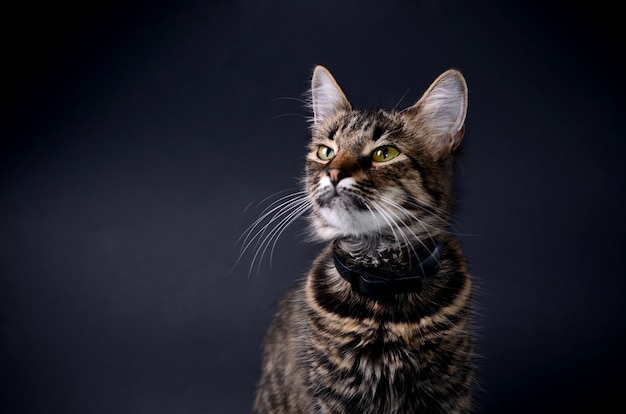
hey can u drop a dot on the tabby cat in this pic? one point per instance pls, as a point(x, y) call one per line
point(381, 324)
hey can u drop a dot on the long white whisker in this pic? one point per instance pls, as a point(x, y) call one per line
point(289, 98)
point(401, 99)
point(260, 219)
point(275, 233)
point(258, 203)
point(304, 206)
point(385, 216)
point(276, 211)
point(278, 200)
point(279, 218)
point(388, 212)
point(272, 222)
point(448, 222)
point(289, 114)
point(409, 215)
point(373, 213)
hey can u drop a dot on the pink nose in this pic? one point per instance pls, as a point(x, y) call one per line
point(336, 175)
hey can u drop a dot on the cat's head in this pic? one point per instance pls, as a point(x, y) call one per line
point(383, 173)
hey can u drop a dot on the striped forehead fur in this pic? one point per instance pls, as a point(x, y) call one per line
point(441, 109)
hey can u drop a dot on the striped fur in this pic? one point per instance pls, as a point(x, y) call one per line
point(331, 350)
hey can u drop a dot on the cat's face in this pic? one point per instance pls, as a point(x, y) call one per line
point(378, 173)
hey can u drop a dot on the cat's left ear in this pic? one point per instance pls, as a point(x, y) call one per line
point(327, 97)
point(442, 110)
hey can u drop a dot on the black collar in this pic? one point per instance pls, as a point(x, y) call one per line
point(373, 284)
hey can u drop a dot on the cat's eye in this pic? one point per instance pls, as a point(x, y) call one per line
point(385, 153)
point(325, 153)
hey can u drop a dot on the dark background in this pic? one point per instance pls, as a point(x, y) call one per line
point(135, 134)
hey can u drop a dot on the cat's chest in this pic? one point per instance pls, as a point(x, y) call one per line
point(379, 371)
point(369, 348)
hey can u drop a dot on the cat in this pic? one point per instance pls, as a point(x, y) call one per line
point(382, 322)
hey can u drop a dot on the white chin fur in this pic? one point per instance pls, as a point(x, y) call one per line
point(341, 220)
point(341, 223)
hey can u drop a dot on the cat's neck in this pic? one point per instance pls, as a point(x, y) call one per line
point(384, 269)
point(384, 253)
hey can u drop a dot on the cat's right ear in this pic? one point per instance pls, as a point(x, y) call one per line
point(327, 97)
point(442, 109)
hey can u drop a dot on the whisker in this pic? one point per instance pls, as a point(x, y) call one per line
point(415, 218)
point(290, 114)
point(409, 215)
point(283, 210)
point(373, 213)
point(291, 194)
point(448, 222)
point(268, 227)
point(298, 211)
point(276, 232)
point(386, 211)
point(384, 217)
point(401, 99)
point(269, 210)
point(289, 98)
point(255, 200)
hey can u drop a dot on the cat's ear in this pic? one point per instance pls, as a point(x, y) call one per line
point(442, 110)
point(326, 95)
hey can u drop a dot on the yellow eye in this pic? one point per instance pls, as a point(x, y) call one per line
point(385, 153)
point(325, 153)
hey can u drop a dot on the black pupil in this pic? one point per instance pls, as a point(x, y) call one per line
point(384, 152)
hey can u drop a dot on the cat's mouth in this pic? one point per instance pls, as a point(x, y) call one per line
point(346, 214)
point(342, 200)
point(343, 211)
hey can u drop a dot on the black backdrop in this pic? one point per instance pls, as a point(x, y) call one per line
point(135, 134)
